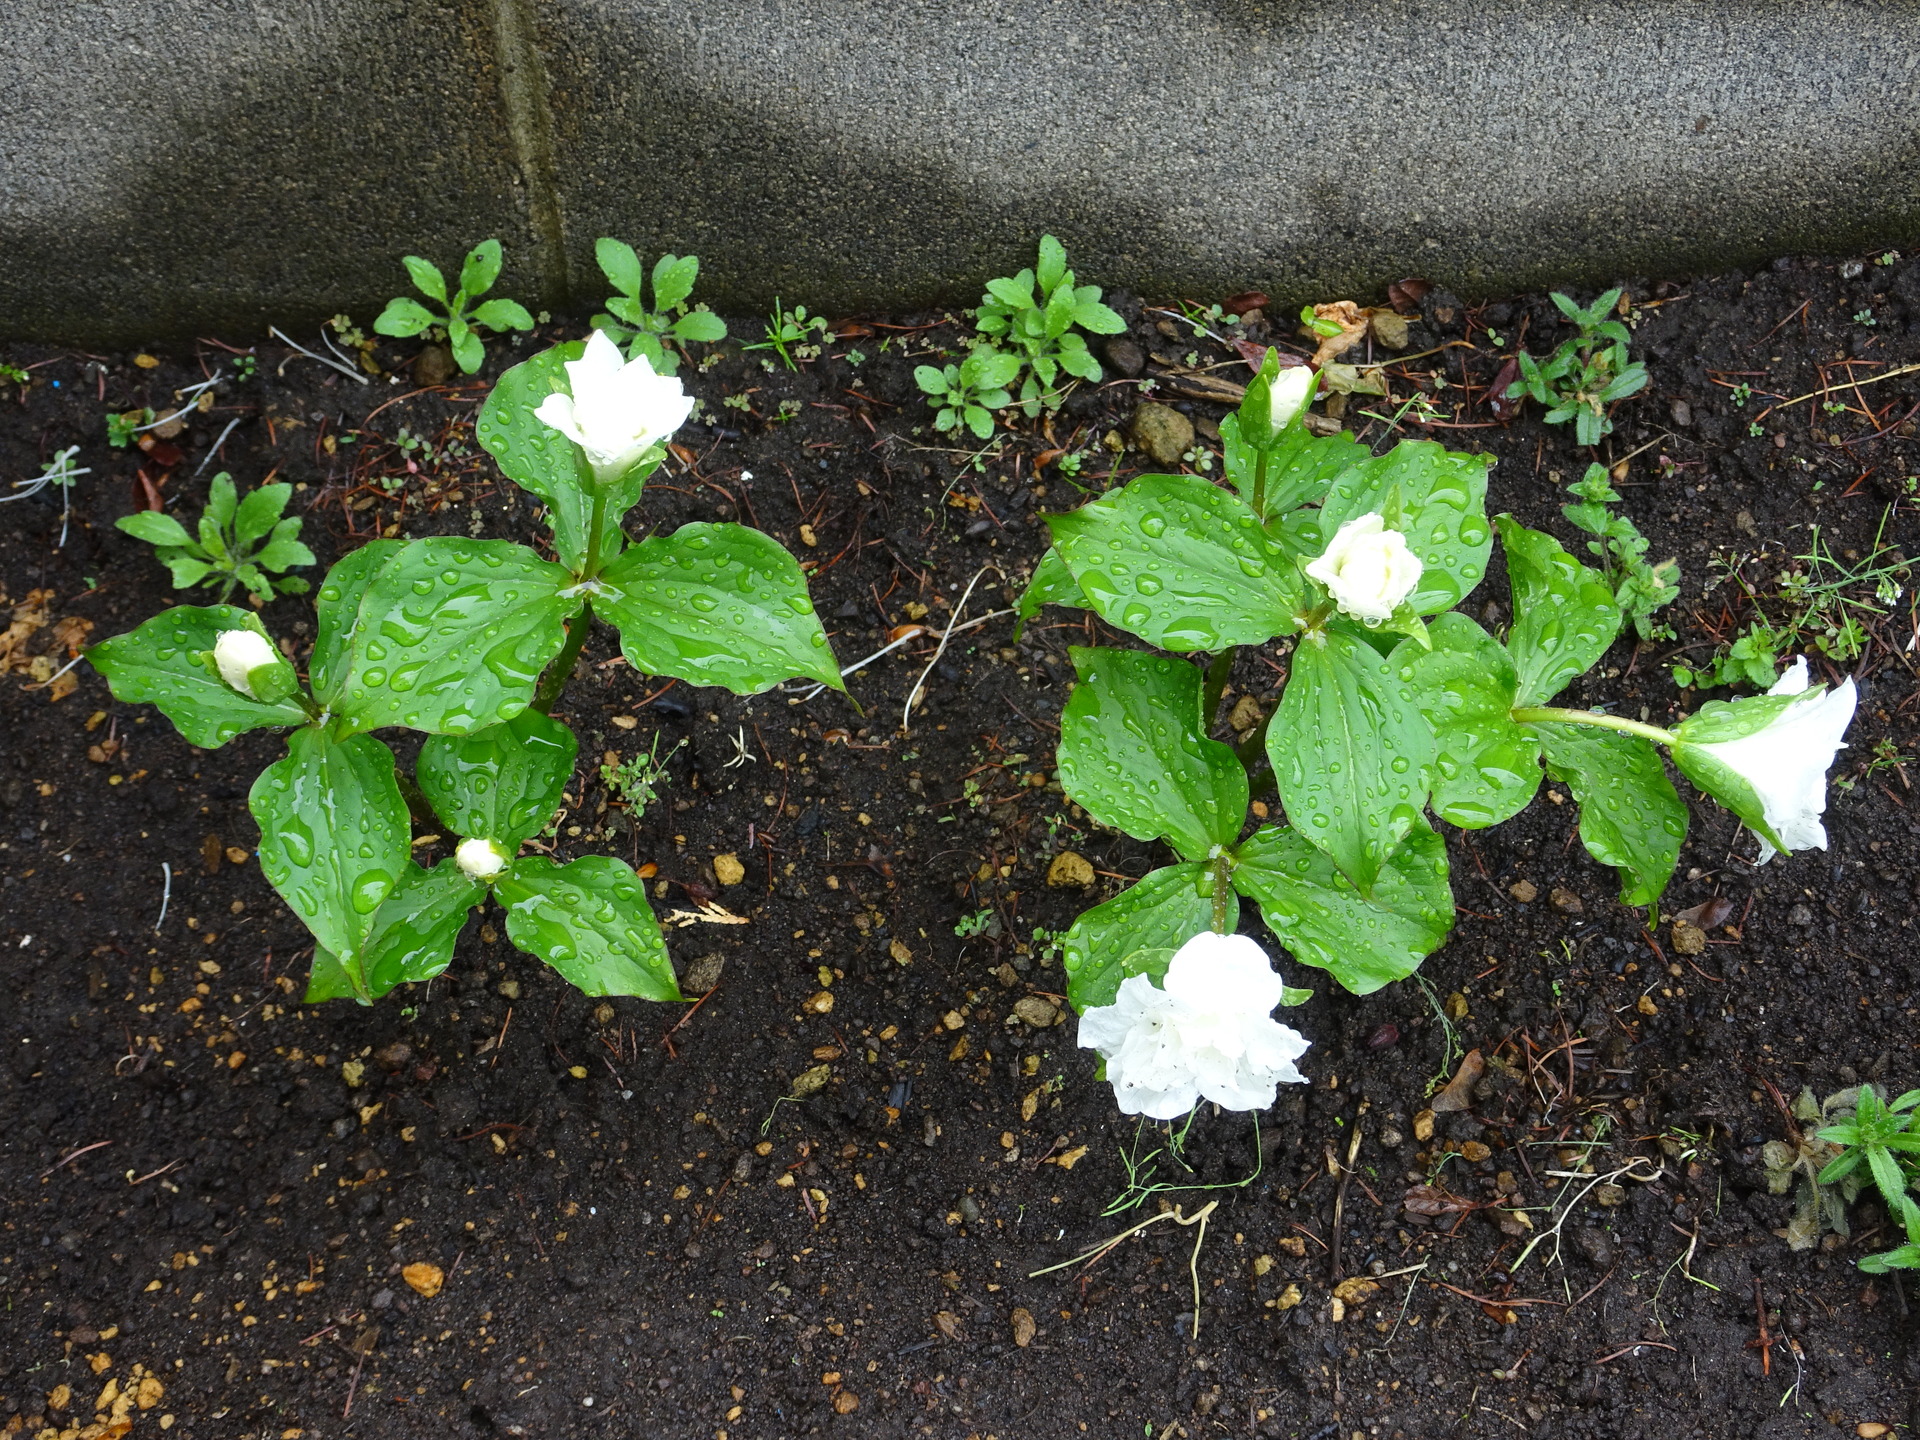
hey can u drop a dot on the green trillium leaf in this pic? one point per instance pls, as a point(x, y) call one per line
point(167, 662)
point(1134, 752)
point(417, 925)
point(1564, 614)
point(333, 838)
point(717, 605)
point(589, 920)
point(502, 783)
point(1485, 767)
point(1162, 912)
point(1180, 563)
point(1363, 941)
point(447, 635)
point(1052, 584)
point(1630, 815)
point(1351, 752)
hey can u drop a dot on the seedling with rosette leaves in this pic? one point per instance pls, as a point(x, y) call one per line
point(1397, 706)
point(236, 542)
point(459, 315)
point(1038, 313)
point(653, 332)
point(472, 642)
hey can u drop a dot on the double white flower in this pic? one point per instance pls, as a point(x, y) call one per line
point(479, 859)
point(1368, 569)
point(1786, 760)
point(618, 410)
point(1206, 1033)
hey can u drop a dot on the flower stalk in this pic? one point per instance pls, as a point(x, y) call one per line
point(1553, 714)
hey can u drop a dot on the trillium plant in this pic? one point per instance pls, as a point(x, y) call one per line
point(472, 642)
point(1398, 709)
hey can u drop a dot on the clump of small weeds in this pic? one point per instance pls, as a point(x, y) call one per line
point(459, 317)
point(1641, 588)
point(1586, 373)
point(236, 542)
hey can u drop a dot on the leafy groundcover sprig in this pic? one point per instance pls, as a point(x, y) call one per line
point(472, 642)
point(1397, 706)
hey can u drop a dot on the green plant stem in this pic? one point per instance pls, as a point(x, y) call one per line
point(1532, 714)
point(1222, 888)
point(596, 520)
point(1260, 485)
point(561, 671)
point(1219, 670)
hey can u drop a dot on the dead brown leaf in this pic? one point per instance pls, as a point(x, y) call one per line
point(1459, 1092)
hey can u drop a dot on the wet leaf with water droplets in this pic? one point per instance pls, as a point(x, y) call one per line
point(502, 783)
point(1485, 767)
point(416, 926)
point(1299, 468)
point(1351, 752)
point(589, 919)
point(333, 838)
point(717, 605)
point(1181, 563)
point(1323, 921)
point(1437, 498)
point(1564, 615)
point(1134, 752)
point(1159, 914)
point(542, 461)
point(163, 663)
point(1630, 815)
point(461, 655)
point(1052, 584)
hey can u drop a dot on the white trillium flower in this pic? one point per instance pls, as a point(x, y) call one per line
point(480, 859)
point(1368, 569)
point(238, 653)
point(1206, 1034)
point(618, 409)
point(1787, 759)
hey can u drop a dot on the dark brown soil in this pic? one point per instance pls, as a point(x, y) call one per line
point(639, 1235)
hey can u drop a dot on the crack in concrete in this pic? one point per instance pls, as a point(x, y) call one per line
point(525, 97)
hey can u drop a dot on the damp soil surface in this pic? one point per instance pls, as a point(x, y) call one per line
point(810, 1202)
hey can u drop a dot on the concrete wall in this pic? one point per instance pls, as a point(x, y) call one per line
point(178, 166)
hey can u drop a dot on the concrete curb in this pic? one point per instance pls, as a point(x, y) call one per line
point(170, 167)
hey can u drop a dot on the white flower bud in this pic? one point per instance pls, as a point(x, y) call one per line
point(1368, 569)
point(238, 653)
point(617, 411)
point(480, 859)
point(1208, 1034)
point(1285, 399)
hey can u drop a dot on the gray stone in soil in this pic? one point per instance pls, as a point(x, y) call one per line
point(1163, 432)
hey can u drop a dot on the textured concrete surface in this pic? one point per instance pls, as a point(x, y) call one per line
point(167, 165)
point(171, 167)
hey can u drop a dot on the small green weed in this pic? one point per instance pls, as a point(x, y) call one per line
point(1641, 588)
point(635, 782)
point(970, 391)
point(669, 323)
point(1586, 373)
point(459, 317)
point(787, 332)
point(1036, 313)
point(237, 542)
